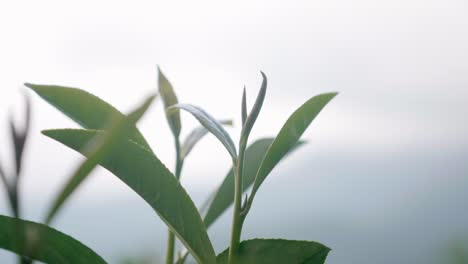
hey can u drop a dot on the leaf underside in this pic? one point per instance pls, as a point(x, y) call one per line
point(195, 136)
point(210, 124)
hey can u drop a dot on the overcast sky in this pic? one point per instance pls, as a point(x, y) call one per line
point(401, 68)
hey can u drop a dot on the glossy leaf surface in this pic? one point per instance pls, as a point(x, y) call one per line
point(289, 135)
point(96, 150)
point(88, 110)
point(143, 172)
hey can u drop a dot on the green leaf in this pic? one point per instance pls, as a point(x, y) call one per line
point(4, 179)
point(271, 251)
point(244, 107)
point(169, 99)
point(96, 149)
point(42, 243)
point(143, 172)
point(87, 110)
point(19, 137)
point(220, 200)
point(289, 135)
point(252, 117)
point(210, 124)
point(195, 136)
point(224, 196)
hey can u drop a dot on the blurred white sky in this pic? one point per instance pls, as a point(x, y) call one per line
point(400, 67)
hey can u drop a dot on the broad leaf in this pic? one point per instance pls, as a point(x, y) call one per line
point(40, 242)
point(96, 149)
point(224, 196)
point(271, 251)
point(209, 123)
point(195, 136)
point(169, 99)
point(142, 171)
point(289, 135)
point(87, 110)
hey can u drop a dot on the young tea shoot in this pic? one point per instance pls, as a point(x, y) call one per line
point(112, 140)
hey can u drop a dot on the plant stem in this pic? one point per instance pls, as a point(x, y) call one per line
point(170, 235)
point(179, 161)
point(236, 218)
point(170, 247)
point(15, 205)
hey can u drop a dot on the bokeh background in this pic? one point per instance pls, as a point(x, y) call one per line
point(383, 178)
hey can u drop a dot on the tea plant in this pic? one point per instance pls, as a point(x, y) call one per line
point(123, 150)
point(169, 98)
point(40, 242)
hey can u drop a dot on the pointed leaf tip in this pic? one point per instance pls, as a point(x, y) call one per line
point(244, 107)
point(136, 114)
point(252, 117)
point(289, 135)
point(169, 98)
point(97, 113)
point(97, 149)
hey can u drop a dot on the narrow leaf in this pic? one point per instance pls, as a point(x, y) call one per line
point(244, 107)
point(97, 148)
point(250, 121)
point(210, 124)
point(289, 135)
point(220, 200)
point(42, 243)
point(271, 251)
point(195, 136)
point(18, 144)
point(4, 179)
point(224, 196)
point(87, 110)
point(144, 173)
point(169, 99)
point(19, 137)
